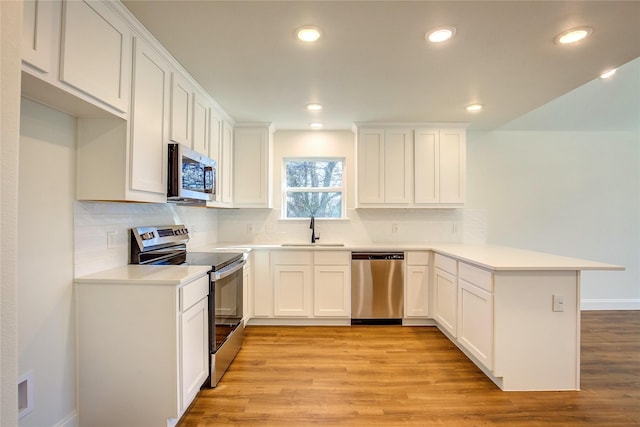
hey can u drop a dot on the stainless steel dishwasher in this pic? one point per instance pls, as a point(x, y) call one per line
point(377, 288)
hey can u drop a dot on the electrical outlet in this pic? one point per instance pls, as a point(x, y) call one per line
point(558, 303)
point(249, 228)
point(394, 228)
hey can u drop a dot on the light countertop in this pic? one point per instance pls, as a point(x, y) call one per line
point(491, 257)
point(175, 275)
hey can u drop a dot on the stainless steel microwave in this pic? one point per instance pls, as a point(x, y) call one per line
point(191, 176)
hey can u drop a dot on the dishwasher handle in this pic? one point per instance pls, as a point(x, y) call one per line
point(377, 256)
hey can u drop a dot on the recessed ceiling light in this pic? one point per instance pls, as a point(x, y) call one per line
point(474, 107)
point(314, 107)
point(308, 33)
point(608, 73)
point(315, 125)
point(573, 35)
point(440, 34)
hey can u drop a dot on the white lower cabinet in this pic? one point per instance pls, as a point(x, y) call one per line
point(292, 280)
point(301, 285)
point(332, 284)
point(416, 284)
point(142, 351)
point(194, 361)
point(475, 322)
point(445, 293)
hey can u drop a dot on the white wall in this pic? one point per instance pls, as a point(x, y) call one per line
point(570, 193)
point(361, 225)
point(10, 31)
point(46, 328)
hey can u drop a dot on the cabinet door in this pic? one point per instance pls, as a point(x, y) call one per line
point(96, 52)
point(149, 121)
point(215, 135)
point(445, 300)
point(371, 166)
point(194, 351)
point(427, 166)
point(200, 133)
point(181, 110)
point(225, 164)
point(251, 150)
point(452, 166)
point(416, 300)
point(475, 322)
point(41, 21)
point(332, 291)
point(262, 285)
point(292, 290)
point(398, 166)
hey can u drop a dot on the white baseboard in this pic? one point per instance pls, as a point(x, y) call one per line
point(71, 420)
point(610, 304)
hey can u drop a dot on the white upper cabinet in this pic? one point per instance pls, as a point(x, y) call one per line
point(40, 30)
point(384, 167)
point(115, 165)
point(453, 166)
point(252, 156)
point(95, 52)
point(181, 110)
point(410, 167)
point(200, 133)
point(149, 121)
point(440, 166)
point(225, 165)
point(370, 166)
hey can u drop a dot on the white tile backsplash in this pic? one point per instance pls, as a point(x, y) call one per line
point(362, 226)
point(93, 220)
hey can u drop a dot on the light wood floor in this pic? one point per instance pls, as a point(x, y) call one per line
point(382, 375)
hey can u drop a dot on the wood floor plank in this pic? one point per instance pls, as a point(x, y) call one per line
point(413, 376)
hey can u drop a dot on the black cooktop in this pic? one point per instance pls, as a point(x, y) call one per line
point(217, 260)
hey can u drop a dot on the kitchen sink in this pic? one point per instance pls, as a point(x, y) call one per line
point(311, 245)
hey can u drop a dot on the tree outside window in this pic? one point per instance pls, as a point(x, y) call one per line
point(314, 187)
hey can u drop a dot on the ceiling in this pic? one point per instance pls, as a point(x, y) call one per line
point(372, 62)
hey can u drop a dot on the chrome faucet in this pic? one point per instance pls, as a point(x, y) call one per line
point(312, 226)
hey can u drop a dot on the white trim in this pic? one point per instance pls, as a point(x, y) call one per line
point(610, 304)
point(71, 420)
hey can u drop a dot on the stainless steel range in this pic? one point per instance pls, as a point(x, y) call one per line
point(167, 245)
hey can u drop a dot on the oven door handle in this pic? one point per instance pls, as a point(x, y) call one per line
point(227, 272)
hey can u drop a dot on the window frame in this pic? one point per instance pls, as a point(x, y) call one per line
point(342, 190)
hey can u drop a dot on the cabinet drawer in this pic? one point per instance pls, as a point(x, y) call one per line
point(445, 263)
point(292, 257)
point(194, 292)
point(476, 276)
point(417, 258)
point(331, 257)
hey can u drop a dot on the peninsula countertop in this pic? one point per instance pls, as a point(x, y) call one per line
point(491, 257)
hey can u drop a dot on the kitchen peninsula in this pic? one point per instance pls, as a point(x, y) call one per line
point(514, 313)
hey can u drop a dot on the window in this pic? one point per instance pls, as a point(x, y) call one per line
point(313, 187)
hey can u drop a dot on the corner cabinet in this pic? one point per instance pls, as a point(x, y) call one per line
point(410, 166)
point(126, 161)
point(252, 158)
point(145, 365)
